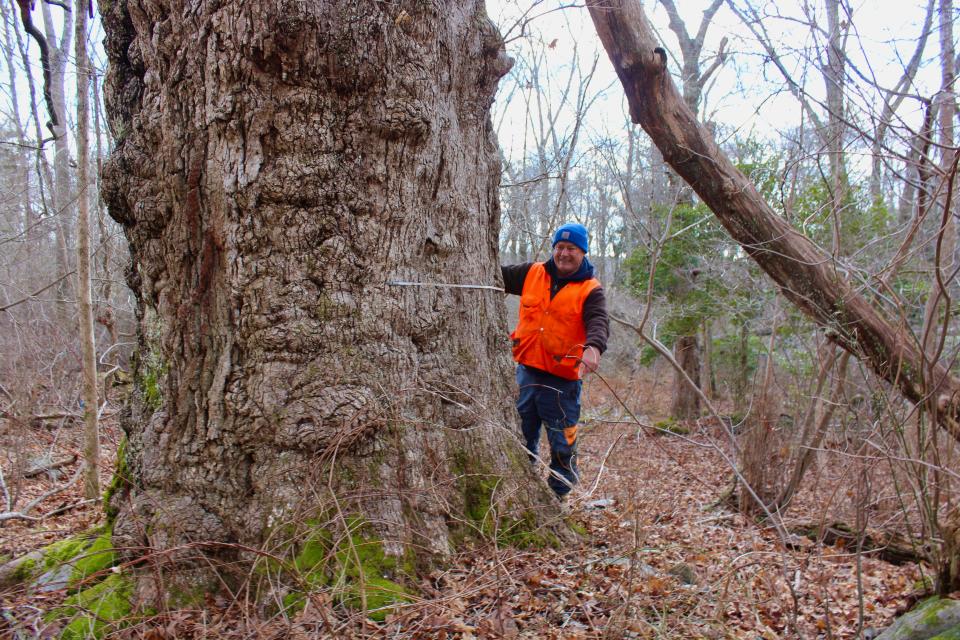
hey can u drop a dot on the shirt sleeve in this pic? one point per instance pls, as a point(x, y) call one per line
point(595, 319)
point(514, 276)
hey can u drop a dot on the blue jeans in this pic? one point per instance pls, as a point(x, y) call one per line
point(555, 402)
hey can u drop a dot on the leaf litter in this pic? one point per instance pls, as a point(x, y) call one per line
point(659, 555)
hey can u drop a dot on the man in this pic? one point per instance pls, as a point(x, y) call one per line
point(561, 333)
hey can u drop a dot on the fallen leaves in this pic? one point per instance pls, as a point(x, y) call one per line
point(657, 560)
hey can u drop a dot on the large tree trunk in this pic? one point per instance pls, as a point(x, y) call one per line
point(277, 163)
point(807, 276)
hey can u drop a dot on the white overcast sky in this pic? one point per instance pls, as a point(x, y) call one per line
point(747, 95)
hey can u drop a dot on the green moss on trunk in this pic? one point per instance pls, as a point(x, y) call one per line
point(478, 485)
point(353, 567)
point(118, 482)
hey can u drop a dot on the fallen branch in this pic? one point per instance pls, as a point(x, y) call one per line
point(43, 468)
point(24, 514)
point(54, 416)
point(69, 507)
point(889, 547)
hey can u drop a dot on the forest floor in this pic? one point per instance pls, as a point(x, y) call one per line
point(656, 557)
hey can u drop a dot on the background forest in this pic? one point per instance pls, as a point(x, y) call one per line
point(843, 117)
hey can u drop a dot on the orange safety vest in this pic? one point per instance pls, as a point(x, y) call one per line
point(550, 333)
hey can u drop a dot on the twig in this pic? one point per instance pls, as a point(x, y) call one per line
point(663, 351)
point(603, 462)
point(69, 507)
point(56, 464)
point(39, 291)
point(23, 513)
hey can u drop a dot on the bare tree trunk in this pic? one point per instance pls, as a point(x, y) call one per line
point(937, 312)
point(709, 376)
point(686, 400)
point(743, 363)
point(814, 430)
point(803, 270)
point(23, 163)
point(915, 197)
point(834, 81)
point(686, 403)
point(91, 403)
point(892, 100)
point(44, 176)
point(947, 237)
point(277, 163)
point(760, 442)
point(104, 316)
point(62, 187)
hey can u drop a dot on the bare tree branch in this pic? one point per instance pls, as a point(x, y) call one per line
point(753, 22)
point(44, 59)
point(24, 514)
point(807, 276)
point(39, 291)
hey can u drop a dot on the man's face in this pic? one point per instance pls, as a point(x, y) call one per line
point(568, 257)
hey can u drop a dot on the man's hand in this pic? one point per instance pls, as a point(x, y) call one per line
point(590, 359)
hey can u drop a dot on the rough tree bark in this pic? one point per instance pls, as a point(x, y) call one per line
point(807, 276)
point(277, 163)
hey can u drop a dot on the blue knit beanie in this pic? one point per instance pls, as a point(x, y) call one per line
point(573, 232)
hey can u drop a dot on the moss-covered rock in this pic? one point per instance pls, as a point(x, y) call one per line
point(26, 570)
point(64, 550)
point(933, 618)
point(92, 612)
point(74, 563)
point(950, 634)
point(94, 559)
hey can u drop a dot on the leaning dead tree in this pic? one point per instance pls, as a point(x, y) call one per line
point(807, 275)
